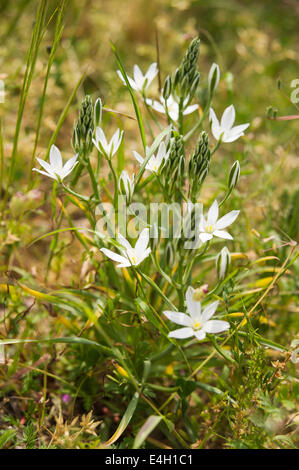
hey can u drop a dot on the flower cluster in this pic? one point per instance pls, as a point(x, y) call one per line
point(171, 170)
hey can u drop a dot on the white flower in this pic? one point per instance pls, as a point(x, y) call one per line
point(197, 323)
point(103, 146)
point(155, 162)
point(126, 184)
point(213, 227)
point(130, 256)
point(225, 127)
point(213, 78)
point(141, 82)
point(55, 169)
point(172, 106)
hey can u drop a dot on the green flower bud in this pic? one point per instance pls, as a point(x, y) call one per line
point(85, 125)
point(98, 112)
point(223, 262)
point(234, 175)
point(213, 79)
point(167, 88)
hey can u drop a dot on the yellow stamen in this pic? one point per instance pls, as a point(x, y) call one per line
point(209, 228)
point(196, 325)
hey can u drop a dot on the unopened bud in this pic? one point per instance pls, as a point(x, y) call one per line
point(167, 88)
point(98, 112)
point(126, 185)
point(234, 175)
point(223, 262)
point(213, 78)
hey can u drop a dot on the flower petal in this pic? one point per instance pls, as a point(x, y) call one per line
point(69, 165)
point(151, 73)
point(226, 220)
point(55, 158)
point(205, 236)
point(138, 77)
point(213, 118)
point(45, 165)
point(193, 306)
point(190, 109)
point(228, 117)
point(114, 256)
point(142, 241)
point(216, 326)
point(200, 334)
point(124, 242)
point(138, 157)
point(181, 333)
point(178, 317)
point(209, 310)
point(213, 213)
point(223, 234)
point(46, 174)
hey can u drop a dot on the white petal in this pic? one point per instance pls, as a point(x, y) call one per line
point(209, 310)
point(231, 137)
point(100, 137)
point(190, 109)
point(124, 242)
point(144, 255)
point(156, 105)
point(228, 117)
point(239, 129)
point(121, 77)
point(45, 165)
point(213, 213)
point(151, 73)
point(217, 132)
point(227, 220)
point(46, 174)
point(181, 333)
point(142, 241)
point(138, 157)
point(178, 317)
point(222, 234)
point(114, 256)
point(55, 158)
point(66, 171)
point(205, 237)
point(200, 334)
point(213, 117)
point(138, 77)
point(193, 306)
point(70, 164)
point(216, 326)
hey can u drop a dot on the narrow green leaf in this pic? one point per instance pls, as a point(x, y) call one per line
point(149, 425)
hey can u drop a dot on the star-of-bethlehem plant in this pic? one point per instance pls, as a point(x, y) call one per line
point(157, 277)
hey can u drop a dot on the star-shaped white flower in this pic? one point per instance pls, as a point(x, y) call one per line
point(141, 82)
point(225, 127)
point(196, 323)
point(155, 161)
point(212, 227)
point(130, 256)
point(55, 169)
point(172, 106)
point(103, 146)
